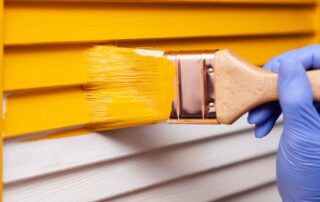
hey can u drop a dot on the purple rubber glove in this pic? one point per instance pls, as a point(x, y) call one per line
point(264, 117)
point(298, 158)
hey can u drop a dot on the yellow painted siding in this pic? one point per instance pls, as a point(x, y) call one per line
point(45, 38)
point(86, 22)
point(44, 111)
point(1, 90)
point(287, 2)
point(54, 59)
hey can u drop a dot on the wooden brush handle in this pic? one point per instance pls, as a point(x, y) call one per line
point(241, 86)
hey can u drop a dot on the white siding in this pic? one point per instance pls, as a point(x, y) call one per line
point(266, 192)
point(151, 163)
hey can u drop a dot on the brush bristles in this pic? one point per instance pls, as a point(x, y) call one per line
point(127, 89)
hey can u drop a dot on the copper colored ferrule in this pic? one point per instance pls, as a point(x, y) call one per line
point(195, 96)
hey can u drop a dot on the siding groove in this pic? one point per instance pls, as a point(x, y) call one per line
point(254, 2)
point(265, 192)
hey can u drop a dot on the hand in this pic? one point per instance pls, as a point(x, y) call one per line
point(298, 158)
point(264, 117)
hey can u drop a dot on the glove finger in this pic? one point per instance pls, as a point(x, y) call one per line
point(295, 95)
point(308, 56)
point(274, 64)
point(262, 113)
point(304, 56)
point(264, 129)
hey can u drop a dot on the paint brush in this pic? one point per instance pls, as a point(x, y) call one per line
point(128, 87)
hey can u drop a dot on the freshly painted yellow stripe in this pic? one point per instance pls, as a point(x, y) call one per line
point(46, 66)
point(125, 89)
point(39, 111)
point(31, 23)
point(49, 66)
point(303, 2)
point(256, 49)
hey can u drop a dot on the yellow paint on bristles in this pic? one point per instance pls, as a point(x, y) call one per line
point(123, 89)
point(127, 88)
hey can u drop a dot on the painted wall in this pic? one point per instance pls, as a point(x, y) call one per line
point(159, 162)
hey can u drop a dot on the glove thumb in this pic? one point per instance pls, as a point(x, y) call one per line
point(295, 94)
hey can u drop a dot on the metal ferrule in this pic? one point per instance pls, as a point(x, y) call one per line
point(195, 96)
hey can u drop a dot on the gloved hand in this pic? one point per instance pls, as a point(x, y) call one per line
point(298, 158)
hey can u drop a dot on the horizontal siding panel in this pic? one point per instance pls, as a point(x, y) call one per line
point(111, 178)
point(30, 159)
point(35, 23)
point(286, 2)
point(38, 111)
point(265, 193)
point(52, 60)
point(212, 185)
point(99, 147)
